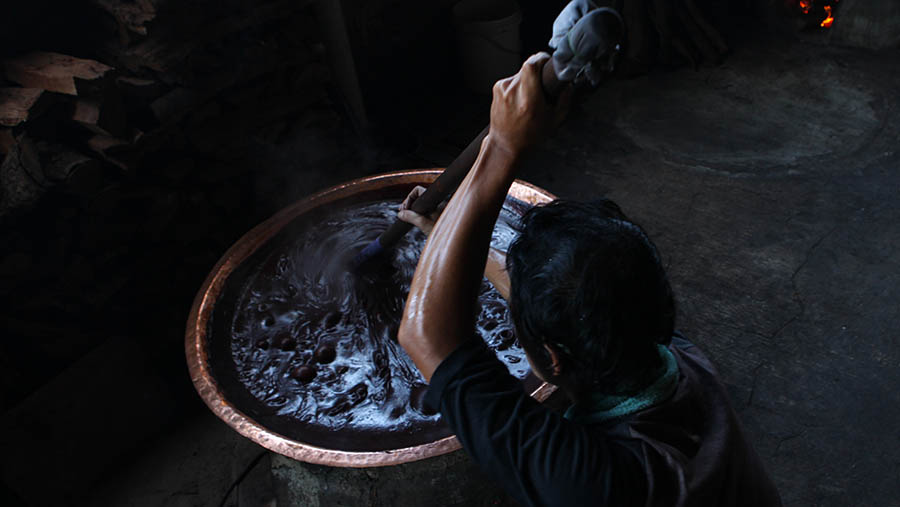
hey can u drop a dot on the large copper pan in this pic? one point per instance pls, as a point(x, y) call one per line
point(199, 335)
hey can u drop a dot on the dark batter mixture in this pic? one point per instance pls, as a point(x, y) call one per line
point(316, 343)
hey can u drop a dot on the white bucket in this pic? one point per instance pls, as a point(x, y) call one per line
point(487, 38)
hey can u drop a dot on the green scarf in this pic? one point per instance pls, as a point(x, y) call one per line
point(603, 407)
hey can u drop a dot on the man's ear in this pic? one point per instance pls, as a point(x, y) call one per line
point(556, 365)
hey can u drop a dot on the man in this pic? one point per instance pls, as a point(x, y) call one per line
point(650, 422)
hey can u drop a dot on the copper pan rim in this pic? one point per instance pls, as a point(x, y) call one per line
point(196, 339)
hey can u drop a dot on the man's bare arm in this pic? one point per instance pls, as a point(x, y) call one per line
point(439, 313)
point(494, 268)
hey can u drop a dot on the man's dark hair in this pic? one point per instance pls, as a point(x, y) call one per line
point(589, 282)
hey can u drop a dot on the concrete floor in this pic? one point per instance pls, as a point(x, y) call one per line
point(771, 185)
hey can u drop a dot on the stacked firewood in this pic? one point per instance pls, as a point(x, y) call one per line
point(252, 69)
point(57, 96)
point(128, 168)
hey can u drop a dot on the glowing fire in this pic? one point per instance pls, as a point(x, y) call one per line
point(826, 23)
point(806, 6)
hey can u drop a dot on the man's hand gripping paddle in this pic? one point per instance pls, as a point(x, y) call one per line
point(586, 41)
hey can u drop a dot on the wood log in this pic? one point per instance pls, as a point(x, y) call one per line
point(112, 150)
point(7, 140)
point(87, 112)
point(33, 167)
point(131, 16)
point(57, 72)
point(19, 189)
point(173, 106)
point(17, 105)
point(76, 173)
point(106, 118)
point(137, 95)
point(104, 144)
point(53, 123)
point(137, 89)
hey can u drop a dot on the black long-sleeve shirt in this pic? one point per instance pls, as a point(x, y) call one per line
point(688, 450)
